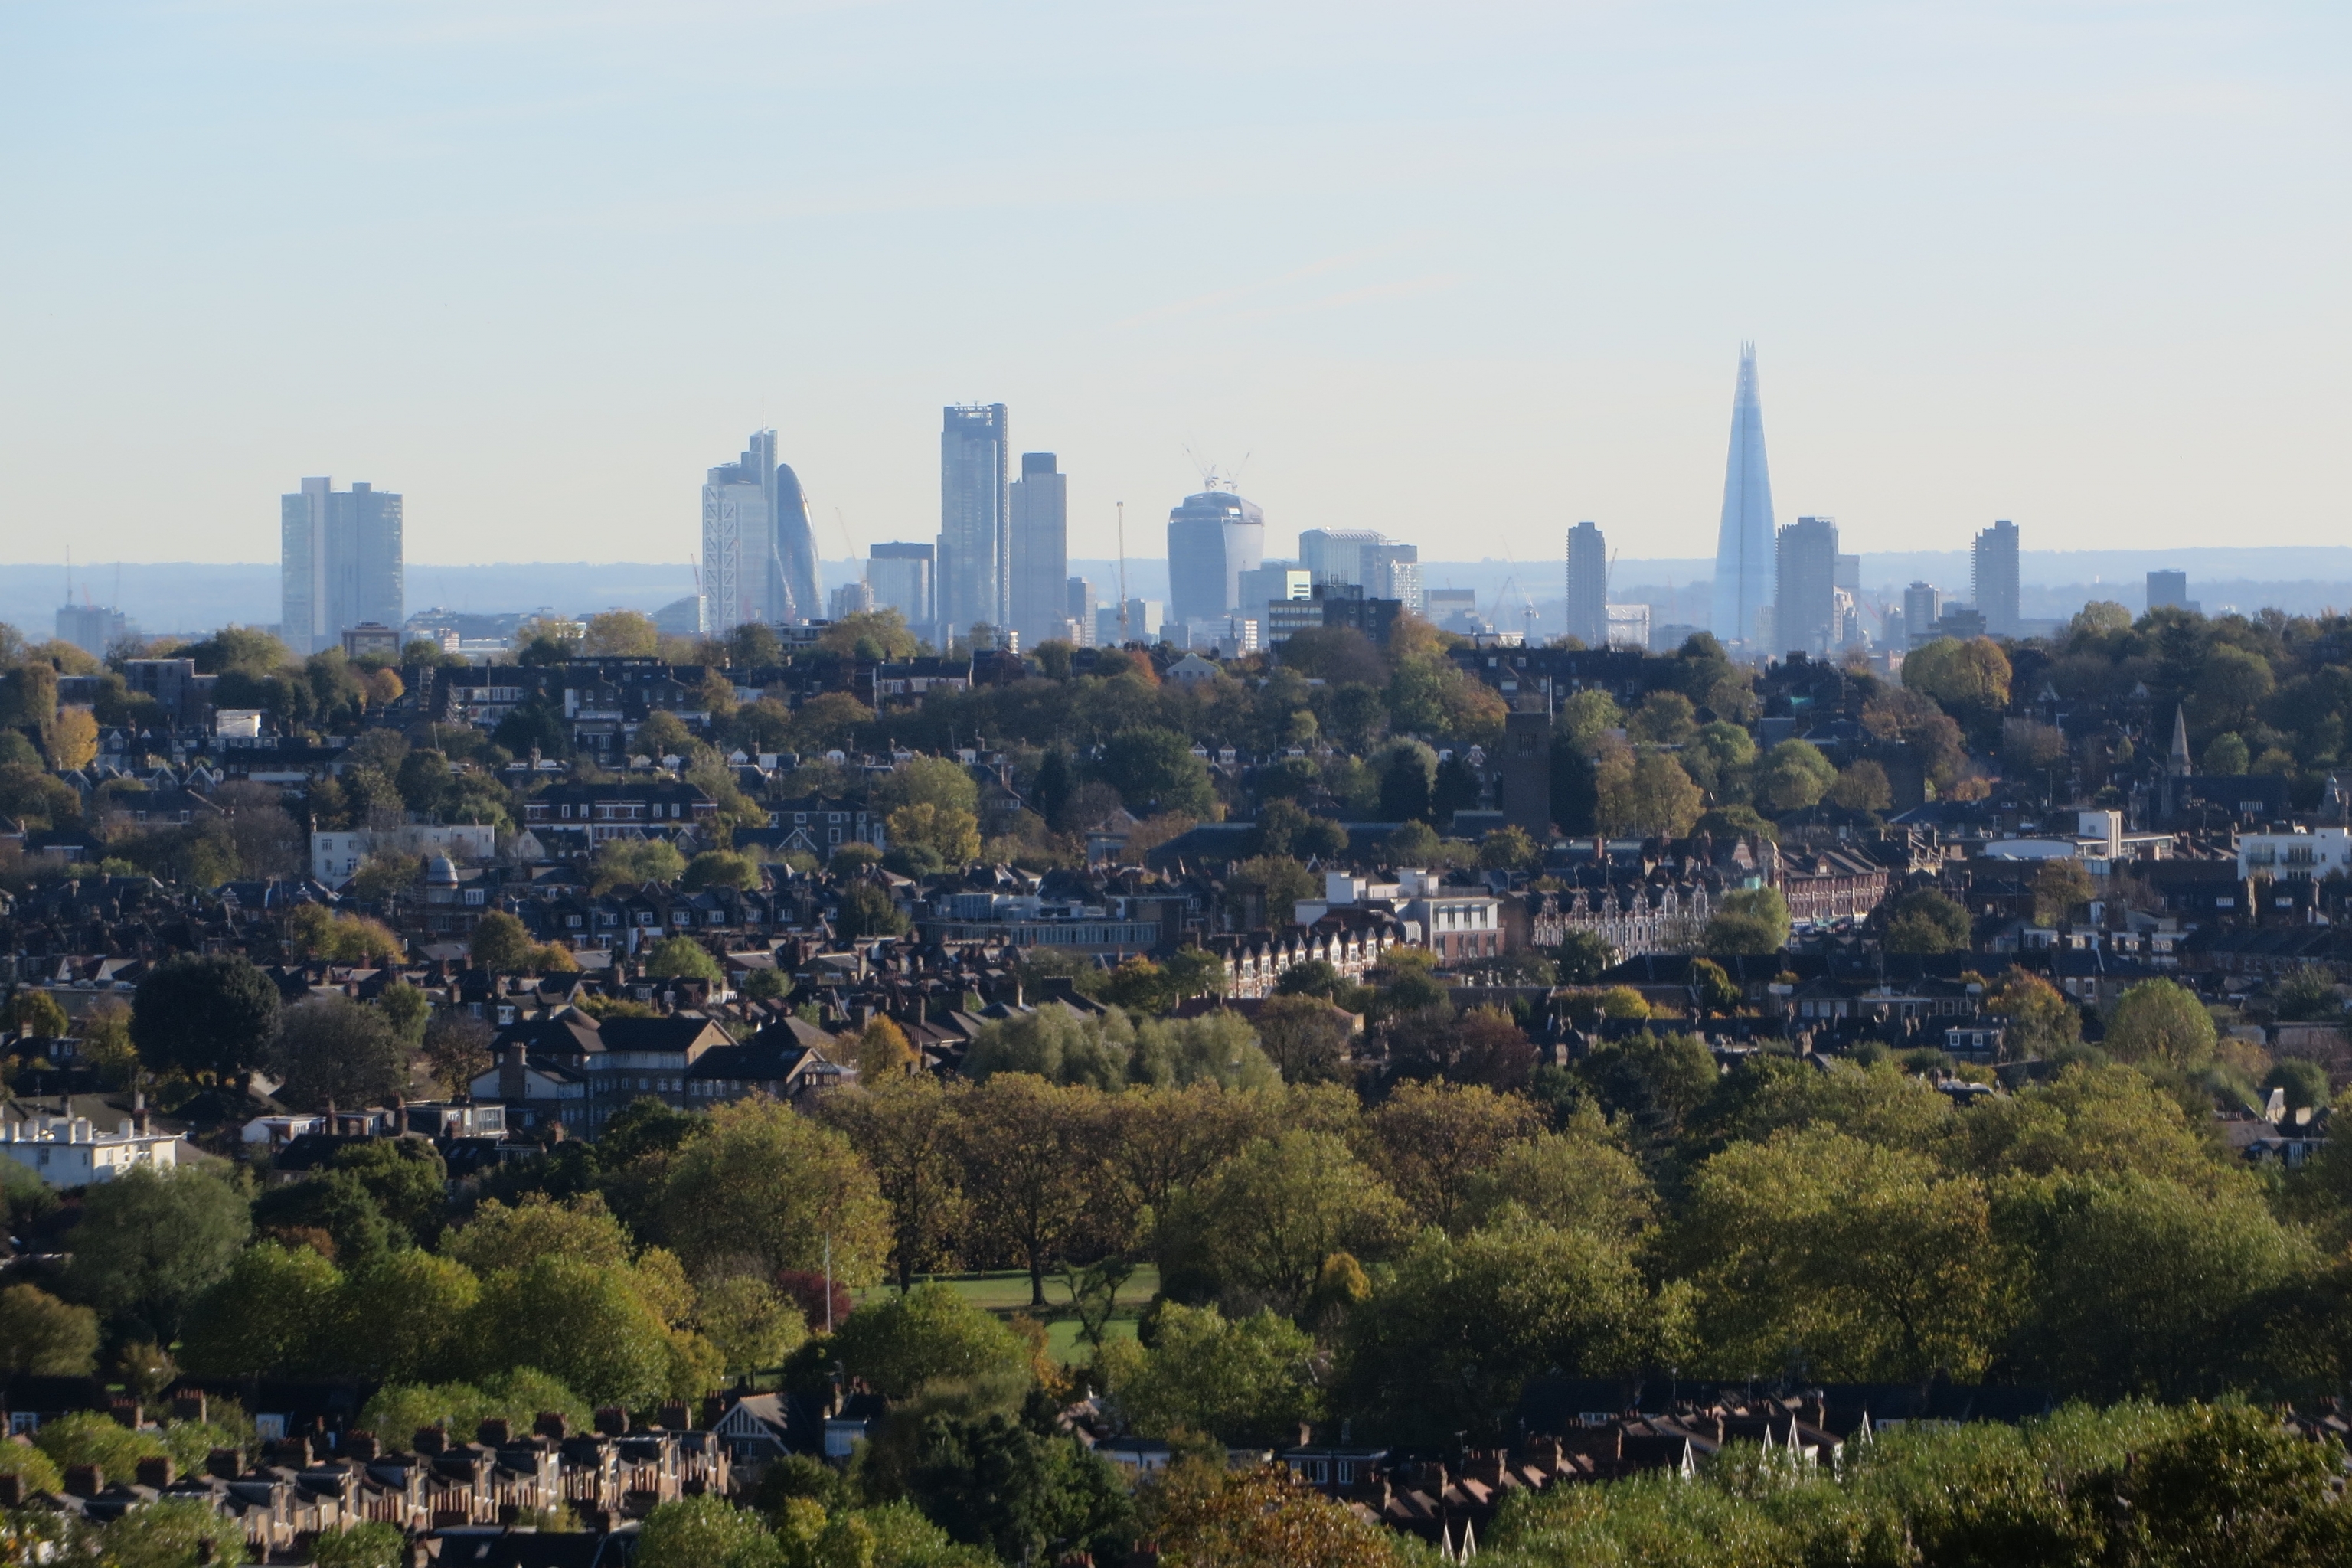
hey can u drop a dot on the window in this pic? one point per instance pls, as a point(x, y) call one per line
point(1322, 1470)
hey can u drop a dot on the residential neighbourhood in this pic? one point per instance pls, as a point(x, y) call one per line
point(1419, 1082)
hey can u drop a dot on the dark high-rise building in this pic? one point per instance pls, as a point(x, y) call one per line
point(2169, 590)
point(340, 563)
point(1041, 519)
point(1744, 543)
point(1587, 586)
point(1212, 537)
point(1805, 611)
point(975, 559)
point(1993, 578)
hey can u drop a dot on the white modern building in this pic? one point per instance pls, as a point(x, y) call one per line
point(335, 856)
point(2313, 852)
point(70, 1152)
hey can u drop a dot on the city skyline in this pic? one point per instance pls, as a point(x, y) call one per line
point(1958, 234)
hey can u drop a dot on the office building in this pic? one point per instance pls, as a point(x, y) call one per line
point(1805, 613)
point(1628, 625)
point(1923, 605)
point(900, 576)
point(1993, 578)
point(340, 563)
point(1360, 557)
point(850, 599)
point(93, 628)
point(758, 551)
point(1454, 610)
point(1040, 507)
point(1214, 538)
point(1143, 625)
point(974, 569)
point(1078, 611)
point(2166, 591)
point(1745, 544)
point(1276, 581)
point(1346, 604)
point(1849, 576)
point(1587, 586)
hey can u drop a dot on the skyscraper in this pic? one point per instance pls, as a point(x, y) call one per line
point(93, 628)
point(900, 576)
point(1805, 617)
point(758, 551)
point(1212, 537)
point(1587, 586)
point(1923, 607)
point(975, 559)
point(2170, 589)
point(1041, 516)
point(340, 563)
point(1744, 545)
point(1378, 565)
point(793, 594)
point(739, 536)
point(1993, 578)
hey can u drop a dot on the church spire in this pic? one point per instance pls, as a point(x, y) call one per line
point(2177, 764)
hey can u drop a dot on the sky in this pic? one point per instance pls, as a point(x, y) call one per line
point(1464, 273)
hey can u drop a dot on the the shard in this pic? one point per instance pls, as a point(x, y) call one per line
point(1744, 582)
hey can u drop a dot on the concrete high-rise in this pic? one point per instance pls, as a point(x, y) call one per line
point(340, 563)
point(975, 558)
point(1363, 558)
point(1805, 617)
point(1040, 507)
point(2169, 590)
point(93, 628)
point(1923, 607)
point(1744, 546)
point(1992, 574)
point(1587, 586)
point(759, 551)
point(1212, 537)
point(900, 576)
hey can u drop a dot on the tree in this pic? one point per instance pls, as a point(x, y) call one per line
point(1269, 1217)
point(1863, 786)
point(417, 1308)
point(1924, 920)
point(905, 1129)
point(634, 862)
point(1712, 990)
point(1583, 957)
point(331, 1050)
point(1217, 1047)
point(869, 635)
point(1429, 1139)
point(1842, 1259)
point(1446, 1345)
point(2161, 1024)
point(40, 1334)
point(721, 869)
point(1794, 776)
point(2039, 1018)
point(1970, 676)
point(1031, 1153)
point(1154, 771)
point(457, 1051)
point(753, 1325)
point(2226, 755)
point(1262, 1517)
point(501, 943)
point(1508, 849)
point(705, 1532)
point(1649, 795)
point(1579, 1179)
point(940, 781)
point(994, 1483)
point(767, 1185)
point(682, 958)
point(1248, 1381)
point(406, 1011)
point(1266, 888)
point(275, 1314)
point(150, 1243)
point(1055, 1044)
point(1306, 1038)
point(931, 1331)
point(36, 1015)
point(950, 833)
point(511, 1235)
point(1654, 1081)
point(73, 738)
point(203, 1013)
point(626, 634)
point(406, 1178)
point(1405, 779)
point(171, 1533)
point(1750, 921)
point(867, 911)
point(880, 1050)
point(370, 1543)
point(591, 1326)
point(1194, 972)
point(2059, 889)
point(335, 1213)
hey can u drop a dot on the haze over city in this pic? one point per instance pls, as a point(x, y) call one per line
point(1475, 274)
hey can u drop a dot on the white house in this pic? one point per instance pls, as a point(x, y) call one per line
point(334, 856)
point(2305, 852)
point(69, 1151)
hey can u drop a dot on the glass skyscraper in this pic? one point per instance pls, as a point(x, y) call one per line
point(975, 547)
point(1744, 545)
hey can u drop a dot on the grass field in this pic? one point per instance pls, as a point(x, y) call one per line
point(1007, 1293)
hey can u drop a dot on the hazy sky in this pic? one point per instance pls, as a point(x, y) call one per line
point(1463, 273)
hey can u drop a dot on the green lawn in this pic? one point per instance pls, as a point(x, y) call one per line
point(1005, 1293)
